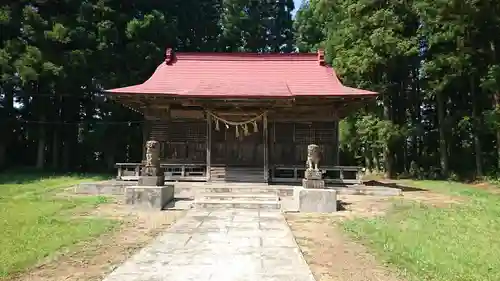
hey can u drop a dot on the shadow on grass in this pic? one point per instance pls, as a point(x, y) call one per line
point(370, 183)
point(404, 188)
point(342, 205)
point(27, 176)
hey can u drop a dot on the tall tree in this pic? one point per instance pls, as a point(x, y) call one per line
point(436, 66)
point(257, 26)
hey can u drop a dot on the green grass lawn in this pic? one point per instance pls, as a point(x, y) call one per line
point(35, 224)
point(460, 243)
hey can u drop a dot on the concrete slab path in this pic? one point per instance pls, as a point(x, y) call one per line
point(220, 245)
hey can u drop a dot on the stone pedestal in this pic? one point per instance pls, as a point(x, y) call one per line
point(313, 179)
point(150, 191)
point(149, 197)
point(312, 174)
point(315, 200)
point(313, 184)
point(151, 180)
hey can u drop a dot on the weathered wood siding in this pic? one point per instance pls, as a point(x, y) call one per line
point(289, 141)
point(182, 140)
point(227, 149)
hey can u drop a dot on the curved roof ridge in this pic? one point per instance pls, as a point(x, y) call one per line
point(245, 56)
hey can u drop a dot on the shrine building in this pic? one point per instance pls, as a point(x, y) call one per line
point(242, 116)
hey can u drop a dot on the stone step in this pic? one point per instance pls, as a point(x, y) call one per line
point(231, 171)
point(237, 174)
point(236, 204)
point(240, 177)
point(238, 196)
point(233, 188)
point(243, 173)
point(253, 180)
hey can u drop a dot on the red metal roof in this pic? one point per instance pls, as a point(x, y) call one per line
point(243, 75)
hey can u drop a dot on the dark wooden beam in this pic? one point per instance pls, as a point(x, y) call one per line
point(266, 147)
point(209, 146)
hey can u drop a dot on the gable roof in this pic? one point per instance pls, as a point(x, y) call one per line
point(243, 75)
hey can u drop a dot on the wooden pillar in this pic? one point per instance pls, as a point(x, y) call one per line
point(209, 146)
point(146, 132)
point(337, 143)
point(266, 147)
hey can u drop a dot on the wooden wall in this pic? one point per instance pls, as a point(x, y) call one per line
point(229, 149)
point(289, 141)
point(184, 140)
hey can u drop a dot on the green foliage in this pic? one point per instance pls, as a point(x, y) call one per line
point(309, 27)
point(436, 65)
point(438, 243)
point(56, 57)
point(367, 136)
point(257, 26)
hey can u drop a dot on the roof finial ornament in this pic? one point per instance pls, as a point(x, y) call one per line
point(169, 56)
point(321, 57)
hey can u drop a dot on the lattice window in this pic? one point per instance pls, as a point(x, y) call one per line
point(187, 131)
point(182, 141)
point(282, 132)
point(159, 130)
point(304, 133)
point(290, 141)
point(324, 133)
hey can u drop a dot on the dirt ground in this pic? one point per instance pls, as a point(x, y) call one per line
point(93, 260)
point(488, 187)
point(331, 255)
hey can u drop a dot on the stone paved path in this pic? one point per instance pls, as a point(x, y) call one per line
point(220, 245)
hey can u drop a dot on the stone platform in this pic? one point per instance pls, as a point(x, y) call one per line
point(315, 200)
point(187, 189)
point(313, 183)
point(232, 195)
point(149, 197)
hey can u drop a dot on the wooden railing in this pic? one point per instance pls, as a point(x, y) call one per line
point(278, 174)
point(173, 171)
point(331, 174)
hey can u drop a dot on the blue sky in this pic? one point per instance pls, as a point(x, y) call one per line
point(297, 5)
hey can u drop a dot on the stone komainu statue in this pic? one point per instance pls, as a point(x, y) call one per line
point(152, 163)
point(152, 153)
point(313, 156)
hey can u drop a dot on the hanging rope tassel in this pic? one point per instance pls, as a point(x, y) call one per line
point(255, 127)
point(245, 130)
point(217, 128)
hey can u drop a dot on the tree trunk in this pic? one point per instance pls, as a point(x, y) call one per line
point(66, 151)
point(3, 158)
point(56, 138)
point(55, 148)
point(376, 164)
point(7, 130)
point(496, 98)
point(110, 159)
point(443, 145)
point(475, 131)
point(416, 117)
point(388, 154)
point(40, 155)
point(368, 162)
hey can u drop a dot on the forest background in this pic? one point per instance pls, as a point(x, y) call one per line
point(435, 63)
